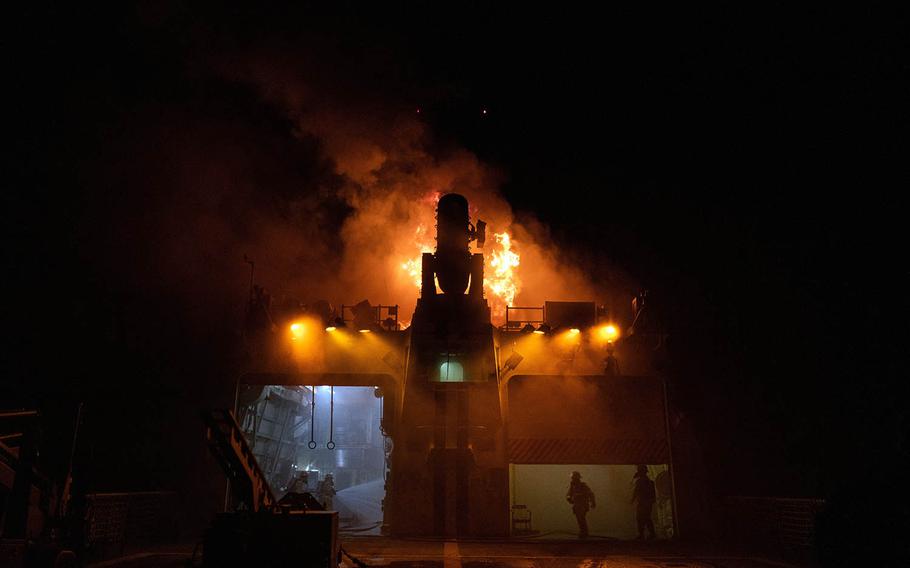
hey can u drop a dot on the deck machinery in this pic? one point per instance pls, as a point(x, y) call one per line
point(261, 531)
point(469, 439)
point(450, 467)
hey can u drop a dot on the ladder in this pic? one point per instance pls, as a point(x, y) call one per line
point(229, 446)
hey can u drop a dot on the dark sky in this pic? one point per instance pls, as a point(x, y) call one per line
point(748, 166)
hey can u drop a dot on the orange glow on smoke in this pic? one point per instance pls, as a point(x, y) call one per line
point(501, 261)
point(298, 330)
point(305, 335)
point(608, 333)
point(424, 242)
point(500, 279)
point(568, 338)
point(501, 282)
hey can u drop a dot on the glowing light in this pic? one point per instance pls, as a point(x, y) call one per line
point(608, 333)
point(364, 331)
point(451, 372)
point(538, 332)
point(305, 339)
point(297, 331)
point(331, 328)
point(568, 338)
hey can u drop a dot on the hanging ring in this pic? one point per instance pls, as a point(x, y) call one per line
point(311, 444)
point(330, 445)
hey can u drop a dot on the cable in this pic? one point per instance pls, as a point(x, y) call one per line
point(331, 444)
point(312, 443)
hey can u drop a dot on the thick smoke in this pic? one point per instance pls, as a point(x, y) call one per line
point(328, 187)
point(390, 175)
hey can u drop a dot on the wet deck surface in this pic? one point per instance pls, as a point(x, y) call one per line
point(540, 554)
point(427, 553)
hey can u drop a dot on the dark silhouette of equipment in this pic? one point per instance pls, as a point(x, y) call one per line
point(302, 501)
point(451, 451)
point(15, 517)
point(452, 264)
point(521, 520)
point(228, 444)
point(513, 361)
point(364, 315)
point(31, 533)
point(262, 531)
point(579, 315)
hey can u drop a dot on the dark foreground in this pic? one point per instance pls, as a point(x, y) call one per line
point(432, 553)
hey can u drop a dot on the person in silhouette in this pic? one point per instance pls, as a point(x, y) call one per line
point(643, 496)
point(611, 365)
point(301, 483)
point(326, 491)
point(582, 498)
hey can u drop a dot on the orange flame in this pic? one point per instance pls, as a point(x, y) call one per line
point(501, 281)
point(423, 241)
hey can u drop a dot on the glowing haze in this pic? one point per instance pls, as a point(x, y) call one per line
point(391, 179)
point(329, 185)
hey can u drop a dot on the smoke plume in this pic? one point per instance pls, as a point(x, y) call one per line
point(327, 186)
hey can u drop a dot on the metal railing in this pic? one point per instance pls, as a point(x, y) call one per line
point(513, 322)
point(114, 520)
point(389, 322)
point(779, 526)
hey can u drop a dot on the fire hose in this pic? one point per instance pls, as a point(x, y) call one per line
point(331, 444)
point(312, 443)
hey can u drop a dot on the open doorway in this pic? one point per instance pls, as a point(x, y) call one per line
point(324, 440)
point(540, 508)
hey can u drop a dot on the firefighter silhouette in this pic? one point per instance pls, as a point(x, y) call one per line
point(581, 497)
point(643, 496)
point(301, 483)
point(326, 491)
point(611, 365)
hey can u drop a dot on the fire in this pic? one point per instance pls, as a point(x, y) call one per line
point(501, 281)
point(424, 242)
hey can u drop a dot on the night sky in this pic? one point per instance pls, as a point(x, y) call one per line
point(747, 166)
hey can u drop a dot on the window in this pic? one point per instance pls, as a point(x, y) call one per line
point(451, 371)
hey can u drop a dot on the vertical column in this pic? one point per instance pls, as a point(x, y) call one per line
point(463, 465)
point(427, 275)
point(476, 289)
point(437, 461)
